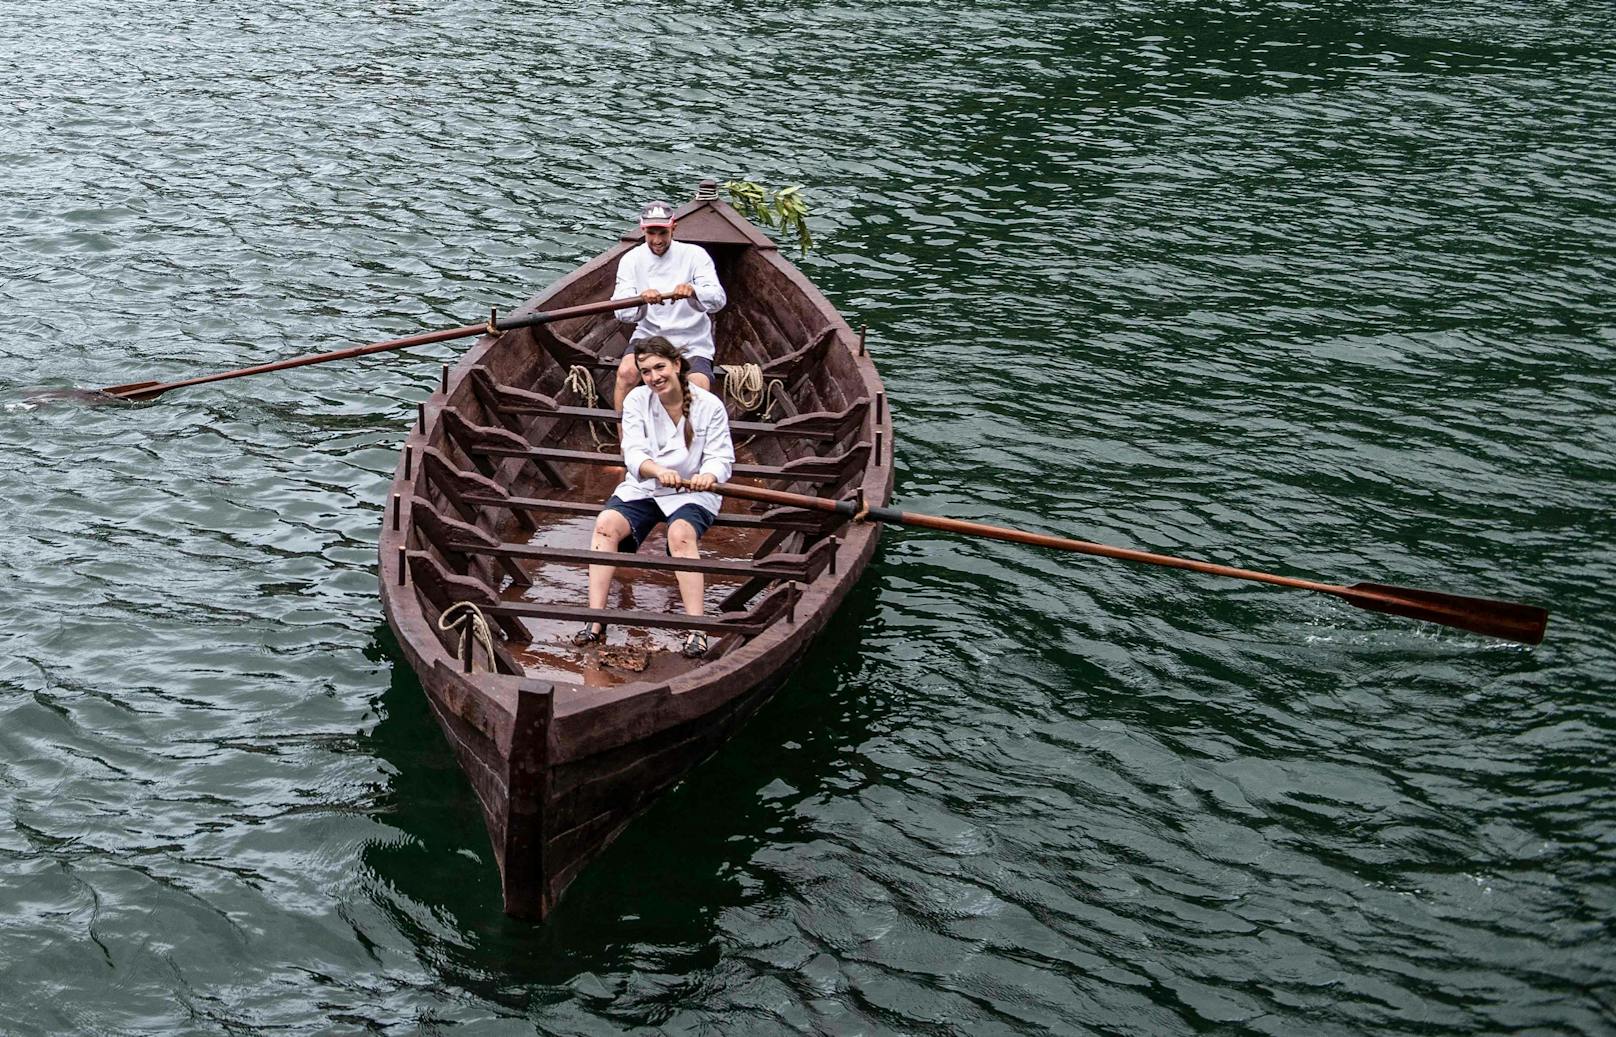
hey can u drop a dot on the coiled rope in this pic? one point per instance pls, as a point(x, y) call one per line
point(470, 621)
point(743, 385)
point(582, 383)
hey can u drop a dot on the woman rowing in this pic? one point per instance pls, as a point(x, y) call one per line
point(673, 433)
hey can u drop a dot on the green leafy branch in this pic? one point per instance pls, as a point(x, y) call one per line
point(784, 211)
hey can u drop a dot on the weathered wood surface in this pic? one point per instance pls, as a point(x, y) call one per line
point(488, 471)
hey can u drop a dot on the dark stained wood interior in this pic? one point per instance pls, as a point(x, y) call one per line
point(494, 502)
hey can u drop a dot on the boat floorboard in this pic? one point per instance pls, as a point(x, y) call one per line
point(551, 655)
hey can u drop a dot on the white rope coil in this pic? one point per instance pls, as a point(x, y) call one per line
point(582, 384)
point(470, 621)
point(743, 384)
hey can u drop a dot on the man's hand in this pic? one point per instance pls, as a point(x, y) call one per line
point(702, 481)
point(668, 477)
point(684, 291)
point(650, 297)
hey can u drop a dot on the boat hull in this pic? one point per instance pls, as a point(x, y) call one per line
point(561, 766)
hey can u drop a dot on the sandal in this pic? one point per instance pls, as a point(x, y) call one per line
point(695, 645)
point(589, 635)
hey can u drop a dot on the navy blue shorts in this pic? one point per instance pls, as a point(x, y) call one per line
point(643, 515)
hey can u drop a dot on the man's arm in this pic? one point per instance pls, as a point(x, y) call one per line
point(628, 277)
point(710, 297)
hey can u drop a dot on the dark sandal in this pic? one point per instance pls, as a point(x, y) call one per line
point(695, 645)
point(589, 635)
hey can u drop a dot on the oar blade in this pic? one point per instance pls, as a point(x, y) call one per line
point(1506, 619)
point(132, 391)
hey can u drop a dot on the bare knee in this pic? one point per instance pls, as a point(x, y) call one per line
point(628, 372)
point(701, 381)
point(611, 525)
point(682, 537)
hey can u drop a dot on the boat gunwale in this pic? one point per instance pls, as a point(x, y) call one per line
point(576, 707)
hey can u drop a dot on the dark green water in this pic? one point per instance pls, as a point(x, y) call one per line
point(1322, 288)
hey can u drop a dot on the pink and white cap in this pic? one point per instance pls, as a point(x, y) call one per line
point(656, 214)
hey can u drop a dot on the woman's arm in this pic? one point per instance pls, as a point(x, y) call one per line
point(637, 434)
point(718, 448)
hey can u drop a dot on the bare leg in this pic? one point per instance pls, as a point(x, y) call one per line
point(628, 376)
point(701, 381)
point(682, 544)
point(610, 529)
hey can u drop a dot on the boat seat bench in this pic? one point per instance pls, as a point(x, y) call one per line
point(823, 426)
point(773, 567)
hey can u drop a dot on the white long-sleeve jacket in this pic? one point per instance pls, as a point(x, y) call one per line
point(684, 322)
point(650, 435)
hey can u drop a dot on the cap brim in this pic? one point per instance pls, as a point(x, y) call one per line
point(655, 223)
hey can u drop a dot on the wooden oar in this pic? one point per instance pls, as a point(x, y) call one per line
point(1505, 619)
point(152, 390)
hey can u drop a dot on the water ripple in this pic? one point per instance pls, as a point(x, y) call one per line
point(1306, 288)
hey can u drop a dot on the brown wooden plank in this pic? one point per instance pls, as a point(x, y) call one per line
point(622, 617)
point(830, 470)
point(777, 518)
point(775, 567)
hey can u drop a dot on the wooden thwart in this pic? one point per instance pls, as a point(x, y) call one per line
point(779, 518)
point(770, 567)
point(468, 491)
point(779, 602)
point(825, 426)
point(482, 442)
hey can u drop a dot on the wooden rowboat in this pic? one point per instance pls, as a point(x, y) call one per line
point(492, 505)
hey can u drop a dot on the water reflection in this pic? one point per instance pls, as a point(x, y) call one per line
point(658, 889)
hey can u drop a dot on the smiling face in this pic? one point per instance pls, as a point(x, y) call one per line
point(662, 375)
point(657, 239)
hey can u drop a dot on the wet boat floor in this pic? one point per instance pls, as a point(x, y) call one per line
point(629, 653)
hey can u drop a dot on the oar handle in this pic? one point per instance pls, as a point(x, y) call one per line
point(528, 320)
point(1504, 619)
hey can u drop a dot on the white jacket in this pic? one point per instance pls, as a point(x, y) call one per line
point(650, 435)
point(684, 322)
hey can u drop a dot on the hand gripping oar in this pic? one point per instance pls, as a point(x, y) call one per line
point(1505, 619)
point(493, 326)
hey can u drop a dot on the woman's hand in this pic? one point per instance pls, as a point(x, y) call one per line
point(667, 477)
point(701, 482)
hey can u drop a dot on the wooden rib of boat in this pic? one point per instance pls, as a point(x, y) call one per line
point(493, 503)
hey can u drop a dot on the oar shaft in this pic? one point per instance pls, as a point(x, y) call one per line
point(1516, 622)
point(1102, 550)
point(147, 390)
point(527, 320)
point(303, 361)
point(1018, 536)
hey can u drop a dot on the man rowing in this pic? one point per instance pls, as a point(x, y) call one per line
point(662, 265)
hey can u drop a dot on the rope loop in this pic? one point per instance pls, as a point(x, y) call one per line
point(743, 384)
point(467, 618)
point(582, 384)
point(777, 389)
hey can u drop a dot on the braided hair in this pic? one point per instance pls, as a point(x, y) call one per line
point(656, 345)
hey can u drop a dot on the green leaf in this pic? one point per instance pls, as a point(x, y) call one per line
point(784, 210)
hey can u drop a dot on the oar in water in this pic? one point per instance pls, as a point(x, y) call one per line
point(1505, 619)
point(152, 390)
